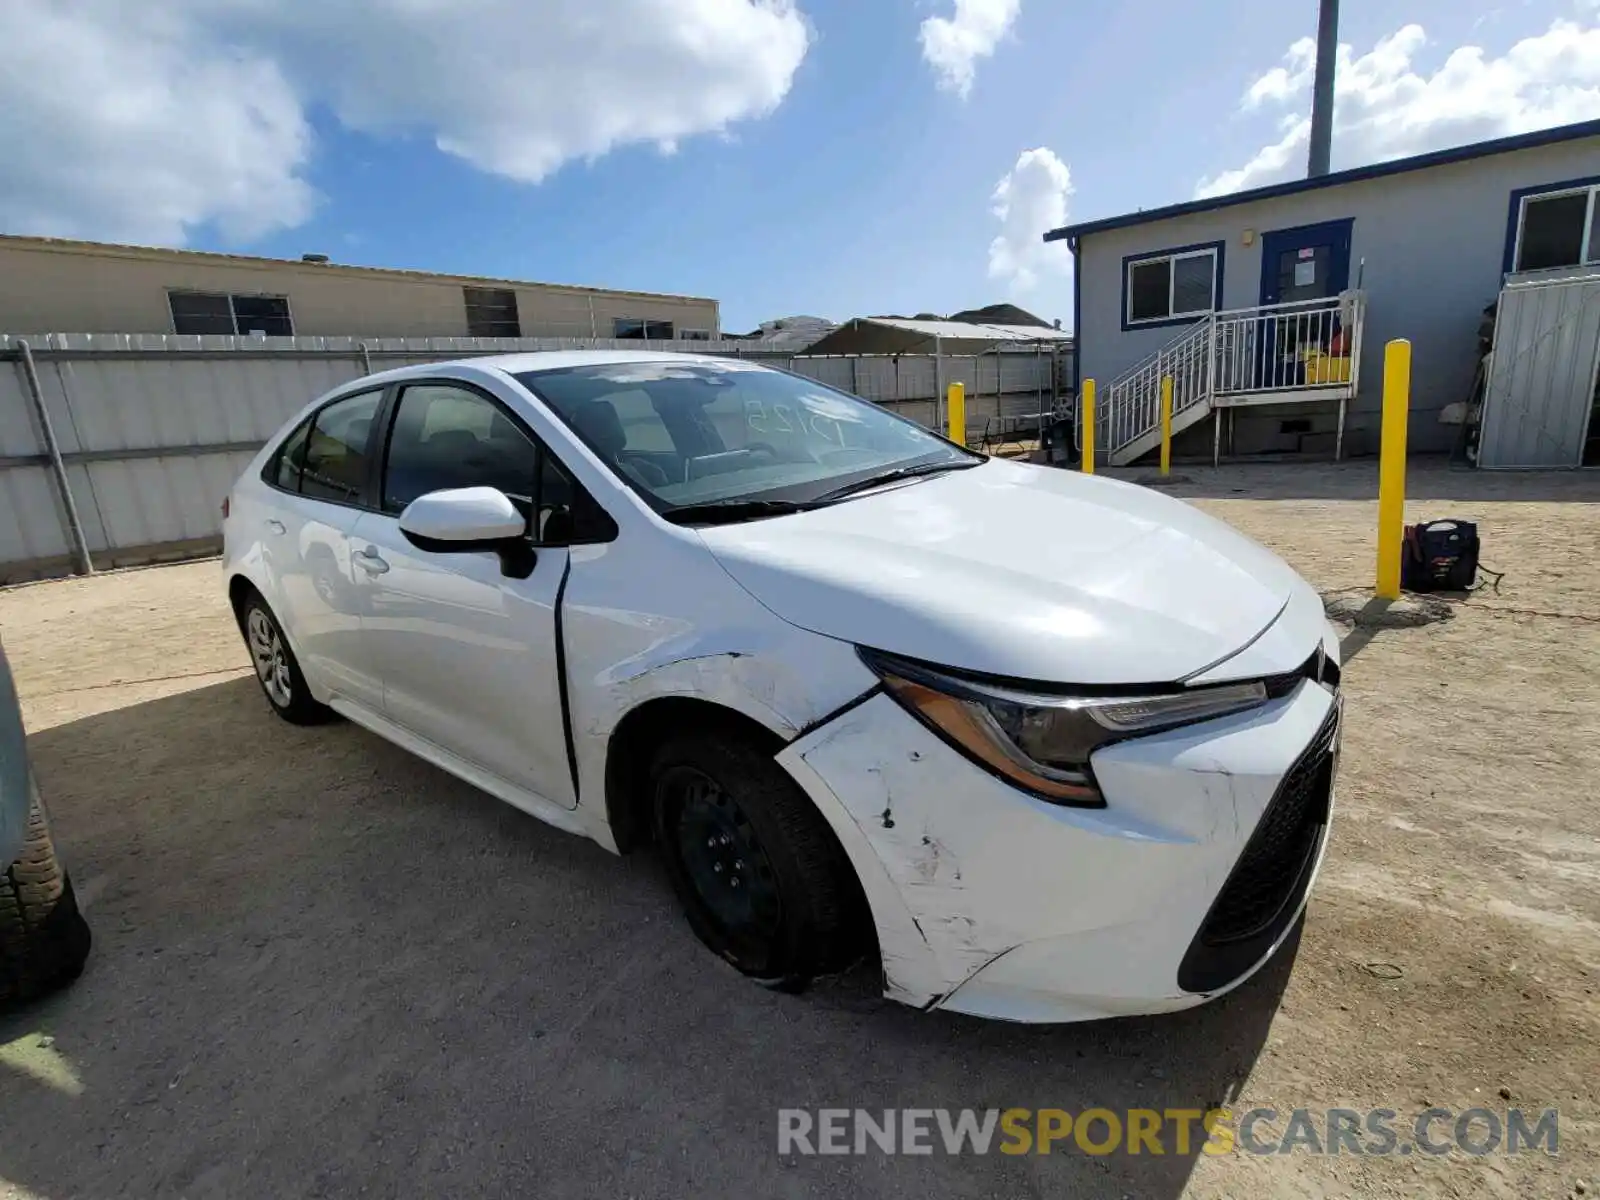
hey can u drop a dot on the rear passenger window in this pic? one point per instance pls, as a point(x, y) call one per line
point(335, 453)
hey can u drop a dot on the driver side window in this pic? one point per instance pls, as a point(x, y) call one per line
point(450, 437)
point(446, 436)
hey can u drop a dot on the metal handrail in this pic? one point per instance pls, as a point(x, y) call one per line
point(1132, 402)
point(1266, 348)
point(1150, 358)
point(1280, 348)
point(1327, 301)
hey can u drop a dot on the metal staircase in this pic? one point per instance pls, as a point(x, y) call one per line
point(1299, 352)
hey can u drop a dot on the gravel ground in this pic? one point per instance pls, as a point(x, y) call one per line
point(323, 968)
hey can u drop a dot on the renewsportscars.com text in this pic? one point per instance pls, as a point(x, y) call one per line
point(1181, 1131)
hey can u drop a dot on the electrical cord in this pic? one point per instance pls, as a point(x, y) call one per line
point(1468, 601)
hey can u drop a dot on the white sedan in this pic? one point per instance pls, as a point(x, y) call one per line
point(1052, 747)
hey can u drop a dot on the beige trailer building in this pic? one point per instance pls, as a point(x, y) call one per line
point(51, 285)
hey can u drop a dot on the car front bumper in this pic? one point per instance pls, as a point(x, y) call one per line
point(991, 902)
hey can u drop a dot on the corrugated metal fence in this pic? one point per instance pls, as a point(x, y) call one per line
point(1011, 383)
point(1541, 388)
point(151, 430)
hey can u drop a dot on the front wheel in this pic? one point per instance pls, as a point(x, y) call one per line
point(44, 939)
point(760, 876)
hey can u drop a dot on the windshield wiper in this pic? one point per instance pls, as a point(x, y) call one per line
point(883, 477)
point(726, 512)
point(723, 512)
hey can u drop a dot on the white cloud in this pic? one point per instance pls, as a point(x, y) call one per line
point(953, 45)
point(519, 88)
point(1386, 106)
point(145, 122)
point(140, 129)
point(1030, 201)
point(1284, 82)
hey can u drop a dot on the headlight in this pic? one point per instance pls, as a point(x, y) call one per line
point(1042, 742)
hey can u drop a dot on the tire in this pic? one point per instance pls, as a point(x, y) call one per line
point(277, 669)
point(759, 874)
point(44, 939)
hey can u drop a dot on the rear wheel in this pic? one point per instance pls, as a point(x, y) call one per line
point(759, 874)
point(44, 939)
point(277, 669)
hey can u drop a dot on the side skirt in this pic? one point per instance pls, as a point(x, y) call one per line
point(548, 811)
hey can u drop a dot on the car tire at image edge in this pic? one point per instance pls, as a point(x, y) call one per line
point(44, 939)
point(760, 876)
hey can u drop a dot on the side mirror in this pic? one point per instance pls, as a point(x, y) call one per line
point(474, 518)
point(464, 518)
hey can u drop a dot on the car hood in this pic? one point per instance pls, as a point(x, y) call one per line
point(1027, 572)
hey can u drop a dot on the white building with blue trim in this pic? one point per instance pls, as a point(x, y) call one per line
point(1270, 308)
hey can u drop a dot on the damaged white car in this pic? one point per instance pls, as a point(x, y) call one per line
point(1052, 746)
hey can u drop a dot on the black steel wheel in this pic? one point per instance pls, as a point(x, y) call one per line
point(760, 876)
point(723, 860)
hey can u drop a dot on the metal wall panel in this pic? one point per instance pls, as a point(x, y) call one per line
point(19, 435)
point(32, 526)
point(1541, 385)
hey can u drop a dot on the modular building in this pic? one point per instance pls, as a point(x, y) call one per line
point(1270, 309)
point(50, 285)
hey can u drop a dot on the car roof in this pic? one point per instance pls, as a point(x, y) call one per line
point(539, 360)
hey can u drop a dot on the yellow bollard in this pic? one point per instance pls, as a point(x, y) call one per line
point(1392, 465)
point(956, 413)
point(1086, 404)
point(1166, 424)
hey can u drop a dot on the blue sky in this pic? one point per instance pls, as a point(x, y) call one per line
point(844, 179)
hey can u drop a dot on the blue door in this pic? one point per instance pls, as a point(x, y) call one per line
point(1306, 263)
point(1311, 262)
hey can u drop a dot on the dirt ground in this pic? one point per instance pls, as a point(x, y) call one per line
point(323, 968)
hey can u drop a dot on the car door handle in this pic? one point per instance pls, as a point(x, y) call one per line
point(370, 561)
point(277, 526)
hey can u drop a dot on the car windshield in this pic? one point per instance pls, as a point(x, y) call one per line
point(692, 433)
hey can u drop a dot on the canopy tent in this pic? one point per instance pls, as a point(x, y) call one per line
point(895, 335)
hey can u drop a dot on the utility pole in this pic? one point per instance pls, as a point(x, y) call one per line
point(1322, 89)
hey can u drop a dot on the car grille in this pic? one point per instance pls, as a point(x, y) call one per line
point(1319, 668)
point(1276, 857)
point(1271, 875)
